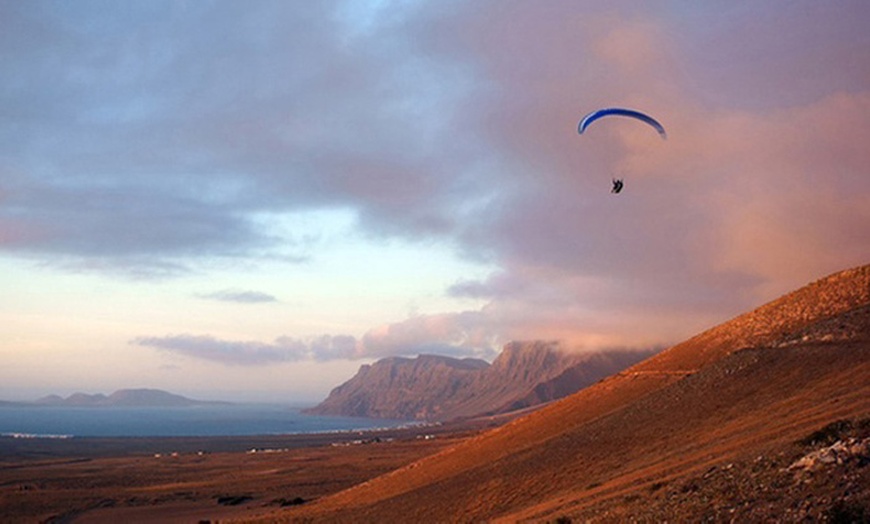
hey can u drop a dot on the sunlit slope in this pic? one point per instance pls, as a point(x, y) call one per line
point(774, 323)
point(770, 375)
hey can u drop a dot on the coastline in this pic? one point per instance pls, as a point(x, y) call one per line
point(190, 479)
point(15, 449)
point(239, 419)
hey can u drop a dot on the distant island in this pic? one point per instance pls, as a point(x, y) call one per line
point(155, 398)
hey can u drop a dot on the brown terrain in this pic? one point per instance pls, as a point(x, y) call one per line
point(183, 480)
point(439, 388)
point(764, 418)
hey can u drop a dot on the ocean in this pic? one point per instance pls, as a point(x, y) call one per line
point(195, 421)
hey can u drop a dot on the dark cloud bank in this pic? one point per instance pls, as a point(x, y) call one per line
point(144, 138)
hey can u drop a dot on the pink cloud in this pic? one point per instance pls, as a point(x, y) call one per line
point(457, 122)
point(739, 205)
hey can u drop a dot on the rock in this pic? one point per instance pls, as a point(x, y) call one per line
point(839, 453)
point(438, 388)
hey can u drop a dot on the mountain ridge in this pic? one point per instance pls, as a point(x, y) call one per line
point(135, 397)
point(441, 388)
point(631, 445)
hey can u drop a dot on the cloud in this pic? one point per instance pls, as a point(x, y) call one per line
point(737, 206)
point(151, 146)
point(461, 334)
point(379, 344)
point(240, 296)
point(163, 132)
point(246, 353)
point(465, 333)
point(478, 334)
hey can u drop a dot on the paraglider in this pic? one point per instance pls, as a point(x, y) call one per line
point(620, 111)
point(617, 185)
point(587, 120)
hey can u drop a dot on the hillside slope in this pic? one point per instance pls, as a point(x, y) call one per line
point(740, 393)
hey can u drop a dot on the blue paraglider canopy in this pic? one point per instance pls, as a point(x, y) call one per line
point(619, 111)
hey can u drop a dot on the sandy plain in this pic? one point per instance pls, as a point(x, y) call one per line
point(93, 480)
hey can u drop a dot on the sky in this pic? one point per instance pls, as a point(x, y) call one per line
point(249, 200)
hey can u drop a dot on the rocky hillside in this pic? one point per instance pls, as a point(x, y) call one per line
point(590, 369)
point(737, 424)
point(779, 322)
point(400, 388)
point(438, 388)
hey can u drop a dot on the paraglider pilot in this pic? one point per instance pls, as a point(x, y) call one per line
point(621, 112)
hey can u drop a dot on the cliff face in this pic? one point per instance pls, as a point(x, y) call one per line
point(401, 388)
point(439, 388)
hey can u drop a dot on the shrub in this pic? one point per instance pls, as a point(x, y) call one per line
point(828, 434)
point(847, 513)
point(233, 500)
